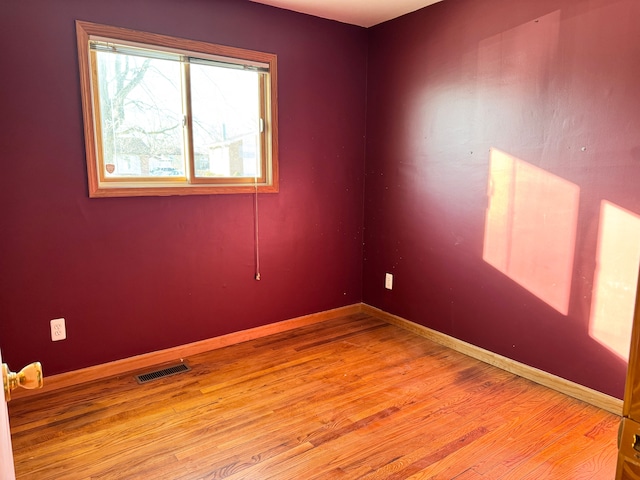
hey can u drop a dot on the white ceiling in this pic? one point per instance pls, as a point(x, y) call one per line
point(364, 13)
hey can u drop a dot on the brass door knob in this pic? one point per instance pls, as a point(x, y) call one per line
point(29, 377)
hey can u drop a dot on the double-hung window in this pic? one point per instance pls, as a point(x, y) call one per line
point(170, 116)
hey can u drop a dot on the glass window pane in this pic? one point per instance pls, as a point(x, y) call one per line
point(140, 116)
point(225, 114)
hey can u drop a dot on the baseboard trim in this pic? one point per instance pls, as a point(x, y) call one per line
point(131, 364)
point(572, 389)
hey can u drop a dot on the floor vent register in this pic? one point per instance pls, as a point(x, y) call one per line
point(165, 372)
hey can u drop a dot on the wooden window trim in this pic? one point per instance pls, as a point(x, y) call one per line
point(163, 187)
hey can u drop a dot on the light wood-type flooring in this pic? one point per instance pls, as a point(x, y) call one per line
point(349, 398)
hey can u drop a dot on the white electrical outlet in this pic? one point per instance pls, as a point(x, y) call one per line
point(388, 281)
point(58, 329)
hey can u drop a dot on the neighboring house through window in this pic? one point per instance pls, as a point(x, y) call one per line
point(170, 116)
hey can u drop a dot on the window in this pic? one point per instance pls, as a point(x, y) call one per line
point(170, 116)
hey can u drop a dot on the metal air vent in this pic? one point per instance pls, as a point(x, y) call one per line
point(165, 372)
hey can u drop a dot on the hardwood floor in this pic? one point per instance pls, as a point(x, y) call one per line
point(348, 398)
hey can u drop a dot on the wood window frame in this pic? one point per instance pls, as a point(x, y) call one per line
point(99, 186)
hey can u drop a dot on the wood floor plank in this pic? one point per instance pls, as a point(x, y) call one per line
point(496, 420)
point(543, 426)
point(568, 439)
point(469, 474)
point(349, 398)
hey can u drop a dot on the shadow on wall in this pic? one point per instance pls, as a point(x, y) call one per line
point(530, 234)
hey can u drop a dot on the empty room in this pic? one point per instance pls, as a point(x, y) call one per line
point(305, 239)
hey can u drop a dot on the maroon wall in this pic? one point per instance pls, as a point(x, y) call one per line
point(551, 82)
point(133, 275)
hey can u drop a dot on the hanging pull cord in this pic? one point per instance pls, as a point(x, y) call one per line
point(256, 224)
point(256, 230)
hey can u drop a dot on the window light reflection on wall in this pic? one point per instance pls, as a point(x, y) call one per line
point(530, 228)
point(616, 278)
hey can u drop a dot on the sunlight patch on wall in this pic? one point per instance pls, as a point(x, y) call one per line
point(530, 228)
point(616, 278)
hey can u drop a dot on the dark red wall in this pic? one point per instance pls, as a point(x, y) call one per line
point(552, 82)
point(134, 275)
point(440, 87)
